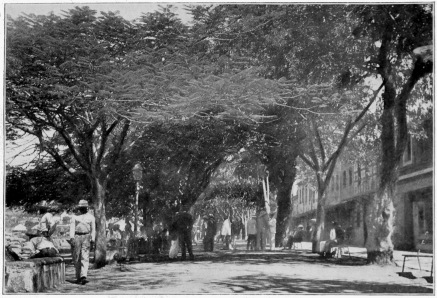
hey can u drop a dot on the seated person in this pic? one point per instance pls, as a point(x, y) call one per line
point(336, 237)
point(296, 237)
point(40, 246)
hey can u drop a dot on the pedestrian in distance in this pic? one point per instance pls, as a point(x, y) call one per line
point(251, 232)
point(82, 237)
point(226, 233)
point(183, 225)
point(297, 237)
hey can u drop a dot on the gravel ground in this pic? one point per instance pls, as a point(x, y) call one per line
point(242, 272)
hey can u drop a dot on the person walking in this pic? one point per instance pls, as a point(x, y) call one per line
point(182, 225)
point(251, 232)
point(226, 233)
point(82, 237)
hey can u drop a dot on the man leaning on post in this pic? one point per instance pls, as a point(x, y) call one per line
point(82, 236)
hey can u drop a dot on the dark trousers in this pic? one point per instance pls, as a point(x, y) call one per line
point(46, 253)
point(251, 241)
point(185, 243)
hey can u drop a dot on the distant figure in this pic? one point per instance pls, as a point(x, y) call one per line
point(336, 237)
point(296, 237)
point(183, 224)
point(251, 232)
point(226, 233)
point(210, 230)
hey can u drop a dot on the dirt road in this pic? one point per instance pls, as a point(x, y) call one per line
point(236, 272)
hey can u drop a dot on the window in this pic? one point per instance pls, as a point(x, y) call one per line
point(344, 179)
point(351, 177)
point(407, 158)
point(359, 175)
point(337, 182)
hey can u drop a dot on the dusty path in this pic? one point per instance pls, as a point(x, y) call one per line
point(225, 272)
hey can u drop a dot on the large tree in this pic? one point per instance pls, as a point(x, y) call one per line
point(77, 83)
point(394, 37)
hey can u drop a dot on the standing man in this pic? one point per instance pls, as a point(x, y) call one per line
point(47, 223)
point(182, 225)
point(226, 233)
point(251, 232)
point(82, 237)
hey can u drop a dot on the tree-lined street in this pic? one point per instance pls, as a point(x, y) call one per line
point(310, 117)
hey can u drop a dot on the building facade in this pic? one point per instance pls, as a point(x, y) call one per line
point(351, 185)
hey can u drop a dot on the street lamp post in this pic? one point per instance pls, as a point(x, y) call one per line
point(137, 172)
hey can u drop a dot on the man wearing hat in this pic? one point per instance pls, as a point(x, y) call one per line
point(48, 223)
point(82, 237)
point(182, 226)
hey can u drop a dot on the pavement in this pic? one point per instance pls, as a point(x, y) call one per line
point(255, 272)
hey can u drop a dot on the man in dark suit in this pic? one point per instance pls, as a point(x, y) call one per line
point(182, 225)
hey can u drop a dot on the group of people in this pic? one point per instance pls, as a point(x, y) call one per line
point(82, 236)
point(261, 229)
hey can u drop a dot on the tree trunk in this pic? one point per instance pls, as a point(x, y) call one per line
point(99, 189)
point(320, 221)
point(380, 209)
point(379, 222)
point(283, 199)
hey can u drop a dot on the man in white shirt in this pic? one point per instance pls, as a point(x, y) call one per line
point(40, 246)
point(47, 223)
point(82, 237)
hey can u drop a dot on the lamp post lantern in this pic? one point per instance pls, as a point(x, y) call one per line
point(137, 172)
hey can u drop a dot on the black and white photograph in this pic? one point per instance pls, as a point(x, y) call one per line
point(218, 148)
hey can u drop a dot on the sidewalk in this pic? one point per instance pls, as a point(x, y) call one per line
point(410, 263)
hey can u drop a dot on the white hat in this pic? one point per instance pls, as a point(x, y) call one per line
point(83, 203)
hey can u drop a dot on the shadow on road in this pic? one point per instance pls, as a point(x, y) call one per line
point(271, 284)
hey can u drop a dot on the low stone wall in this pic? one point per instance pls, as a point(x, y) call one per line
point(34, 275)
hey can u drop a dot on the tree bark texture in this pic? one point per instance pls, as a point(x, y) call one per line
point(379, 223)
point(320, 221)
point(99, 189)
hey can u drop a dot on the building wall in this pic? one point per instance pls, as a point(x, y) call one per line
point(352, 184)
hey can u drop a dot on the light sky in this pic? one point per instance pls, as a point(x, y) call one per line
point(128, 10)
